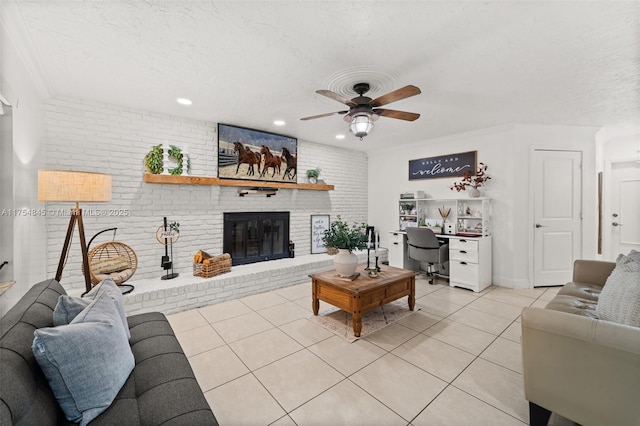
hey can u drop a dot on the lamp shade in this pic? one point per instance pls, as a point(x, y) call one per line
point(63, 185)
point(361, 125)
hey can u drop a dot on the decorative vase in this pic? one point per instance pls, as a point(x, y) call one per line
point(474, 193)
point(345, 263)
point(313, 180)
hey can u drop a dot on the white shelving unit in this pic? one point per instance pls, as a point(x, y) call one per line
point(472, 216)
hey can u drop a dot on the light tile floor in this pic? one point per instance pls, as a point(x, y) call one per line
point(456, 361)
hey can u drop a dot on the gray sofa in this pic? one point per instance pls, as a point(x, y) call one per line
point(161, 389)
point(576, 365)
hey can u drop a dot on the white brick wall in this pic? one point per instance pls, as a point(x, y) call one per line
point(90, 136)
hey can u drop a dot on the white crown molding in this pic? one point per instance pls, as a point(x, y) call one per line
point(13, 25)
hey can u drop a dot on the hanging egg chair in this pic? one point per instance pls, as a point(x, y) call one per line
point(112, 259)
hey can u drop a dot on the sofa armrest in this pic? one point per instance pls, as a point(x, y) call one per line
point(585, 369)
point(592, 271)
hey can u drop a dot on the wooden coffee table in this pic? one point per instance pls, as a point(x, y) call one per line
point(364, 293)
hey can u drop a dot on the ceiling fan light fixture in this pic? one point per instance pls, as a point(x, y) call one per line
point(361, 125)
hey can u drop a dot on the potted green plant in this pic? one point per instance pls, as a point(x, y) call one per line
point(345, 238)
point(175, 227)
point(153, 160)
point(313, 175)
point(406, 208)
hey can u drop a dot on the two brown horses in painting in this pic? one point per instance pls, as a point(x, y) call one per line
point(292, 164)
point(245, 155)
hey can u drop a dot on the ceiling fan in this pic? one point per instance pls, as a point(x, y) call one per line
point(363, 110)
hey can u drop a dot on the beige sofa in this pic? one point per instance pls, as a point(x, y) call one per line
point(575, 365)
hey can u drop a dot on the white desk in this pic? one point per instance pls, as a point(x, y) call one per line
point(470, 259)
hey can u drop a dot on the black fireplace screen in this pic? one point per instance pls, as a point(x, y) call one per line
point(251, 237)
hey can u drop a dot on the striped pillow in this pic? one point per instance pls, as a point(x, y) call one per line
point(109, 265)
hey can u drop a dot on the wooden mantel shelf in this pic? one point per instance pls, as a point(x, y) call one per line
point(204, 180)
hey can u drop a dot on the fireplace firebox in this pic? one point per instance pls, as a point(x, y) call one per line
point(251, 237)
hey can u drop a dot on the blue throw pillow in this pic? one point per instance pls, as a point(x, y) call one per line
point(109, 286)
point(85, 362)
point(67, 308)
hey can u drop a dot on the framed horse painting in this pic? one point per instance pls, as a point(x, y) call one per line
point(256, 155)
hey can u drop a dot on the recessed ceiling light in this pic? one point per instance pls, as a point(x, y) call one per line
point(340, 136)
point(184, 101)
point(279, 122)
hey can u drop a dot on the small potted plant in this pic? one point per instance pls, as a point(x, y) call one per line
point(472, 181)
point(174, 227)
point(406, 208)
point(313, 175)
point(345, 238)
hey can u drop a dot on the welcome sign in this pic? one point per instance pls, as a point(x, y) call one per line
point(445, 166)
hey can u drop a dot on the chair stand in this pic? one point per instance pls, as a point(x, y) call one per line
point(429, 273)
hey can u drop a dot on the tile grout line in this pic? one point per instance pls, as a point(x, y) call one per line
point(387, 352)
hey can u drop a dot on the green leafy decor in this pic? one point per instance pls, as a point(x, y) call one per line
point(344, 236)
point(176, 153)
point(153, 160)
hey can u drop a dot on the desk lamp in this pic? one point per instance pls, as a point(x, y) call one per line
point(70, 186)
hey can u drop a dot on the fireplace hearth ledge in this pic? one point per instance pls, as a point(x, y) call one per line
point(188, 292)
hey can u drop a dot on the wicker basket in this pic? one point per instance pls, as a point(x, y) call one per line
point(332, 250)
point(215, 265)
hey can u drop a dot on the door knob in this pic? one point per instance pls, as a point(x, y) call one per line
point(616, 224)
point(540, 226)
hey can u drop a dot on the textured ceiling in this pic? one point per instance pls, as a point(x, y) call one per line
point(478, 64)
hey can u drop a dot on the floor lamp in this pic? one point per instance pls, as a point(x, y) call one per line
point(70, 186)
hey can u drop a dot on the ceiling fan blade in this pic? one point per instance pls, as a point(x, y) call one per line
point(336, 97)
point(400, 115)
point(324, 115)
point(396, 95)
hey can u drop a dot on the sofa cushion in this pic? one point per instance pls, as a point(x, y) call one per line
point(118, 277)
point(581, 291)
point(25, 398)
point(110, 287)
point(573, 305)
point(67, 308)
point(620, 297)
point(87, 361)
point(171, 398)
point(109, 265)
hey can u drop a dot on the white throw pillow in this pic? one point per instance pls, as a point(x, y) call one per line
point(620, 297)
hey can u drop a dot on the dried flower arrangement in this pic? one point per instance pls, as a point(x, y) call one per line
point(469, 180)
point(444, 214)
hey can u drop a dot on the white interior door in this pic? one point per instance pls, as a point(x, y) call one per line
point(623, 224)
point(557, 204)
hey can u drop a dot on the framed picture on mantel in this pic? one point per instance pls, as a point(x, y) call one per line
point(444, 166)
